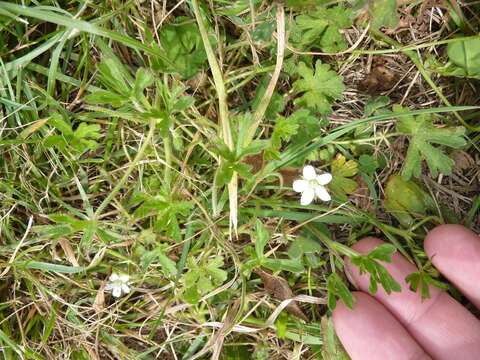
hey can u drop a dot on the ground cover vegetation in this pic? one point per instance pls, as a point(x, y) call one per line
point(174, 173)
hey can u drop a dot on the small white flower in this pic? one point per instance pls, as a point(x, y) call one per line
point(312, 185)
point(118, 284)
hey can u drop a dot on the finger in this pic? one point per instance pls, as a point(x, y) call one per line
point(440, 324)
point(455, 252)
point(370, 332)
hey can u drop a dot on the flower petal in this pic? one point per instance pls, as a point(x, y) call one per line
point(300, 185)
point(117, 291)
point(109, 287)
point(125, 288)
point(124, 278)
point(307, 196)
point(322, 193)
point(309, 172)
point(113, 277)
point(324, 179)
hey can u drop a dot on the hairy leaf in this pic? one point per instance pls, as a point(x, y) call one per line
point(338, 290)
point(423, 134)
point(319, 88)
point(322, 29)
point(370, 264)
point(466, 55)
point(342, 172)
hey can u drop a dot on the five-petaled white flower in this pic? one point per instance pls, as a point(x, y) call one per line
point(312, 185)
point(118, 284)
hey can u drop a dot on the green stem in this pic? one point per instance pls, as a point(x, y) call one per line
point(373, 138)
point(412, 47)
point(217, 78)
point(333, 245)
point(167, 145)
point(131, 167)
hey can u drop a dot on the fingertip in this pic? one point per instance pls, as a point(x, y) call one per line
point(367, 244)
point(455, 252)
point(441, 238)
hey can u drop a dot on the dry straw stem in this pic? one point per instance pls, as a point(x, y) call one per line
point(223, 113)
point(260, 112)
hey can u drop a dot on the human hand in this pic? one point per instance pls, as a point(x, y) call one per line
point(401, 325)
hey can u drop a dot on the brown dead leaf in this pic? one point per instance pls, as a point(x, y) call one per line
point(378, 80)
point(463, 161)
point(99, 303)
point(69, 253)
point(255, 161)
point(362, 195)
point(289, 175)
point(279, 289)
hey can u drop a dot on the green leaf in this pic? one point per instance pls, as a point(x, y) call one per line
point(143, 79)
point(383, 252)
point(377, 105)
point(378, 274)
point(61, 125)
point(422, 281)
point(342, 170)
point(308, 126)
point(423, 134)
point(184, 48)
point(213, 268)
point(383, 13)
point(182, 103)
point(465, 54)
point(39, 265)
point(106, 97)
point(224, 173)
point(367, 164)
point(322, 29)
point(85, 131)
point(115, 76)
point(406, 200)
point(318, 89)
point(261, 240)
point(303, 245)
point(331, 346)
point(284, 129)
point(291, 265)
point(169, 267)
point(338, 290)
point(201, 279)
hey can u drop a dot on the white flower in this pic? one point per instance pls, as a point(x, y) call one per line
point(312, 185)
point(118, 284)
